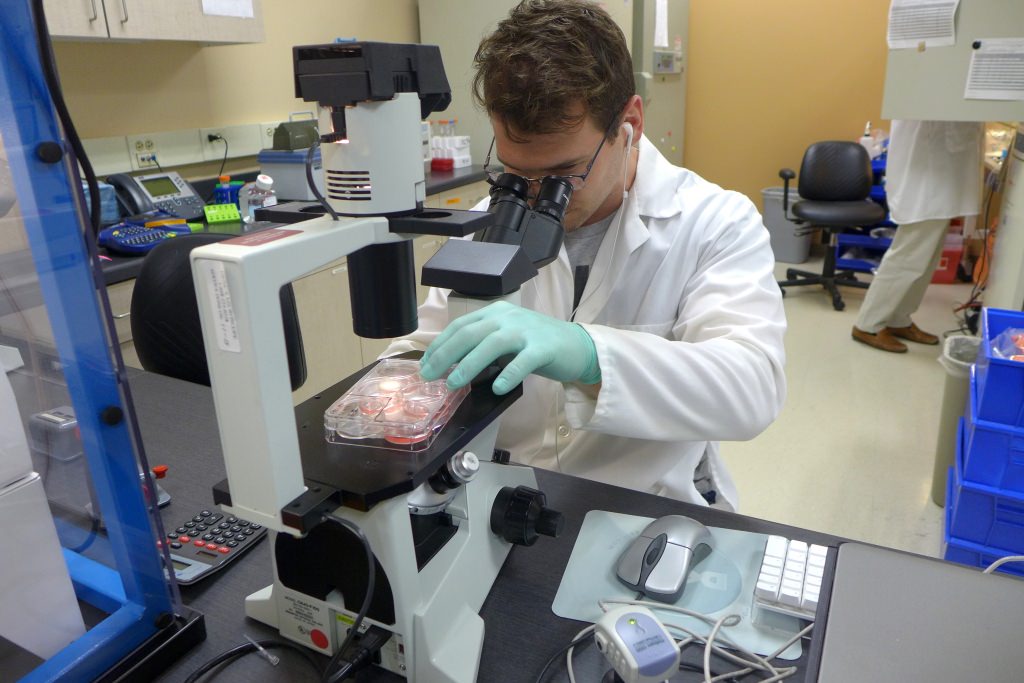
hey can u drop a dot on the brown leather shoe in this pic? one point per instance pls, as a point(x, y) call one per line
point(913, 333)
point(882, 340)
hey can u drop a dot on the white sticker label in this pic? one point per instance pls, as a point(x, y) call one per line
point(219, 301)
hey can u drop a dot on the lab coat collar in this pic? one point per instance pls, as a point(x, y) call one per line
point(628, 232)
point(657, 183)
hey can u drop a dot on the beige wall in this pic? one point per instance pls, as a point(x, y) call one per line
point(120, 89)
point(766, 79)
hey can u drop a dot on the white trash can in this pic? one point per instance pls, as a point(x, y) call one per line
point(958, 354)
point(787, 246)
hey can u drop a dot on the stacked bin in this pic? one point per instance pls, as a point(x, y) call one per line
point(985, 494)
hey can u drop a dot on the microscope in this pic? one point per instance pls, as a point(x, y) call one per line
point(439, 521)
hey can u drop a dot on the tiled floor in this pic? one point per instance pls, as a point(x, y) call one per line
point(853, 450)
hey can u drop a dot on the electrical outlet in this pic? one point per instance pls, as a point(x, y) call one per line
point(242, 140)
point(145, 160)
point(143, 152)
point(166, 149)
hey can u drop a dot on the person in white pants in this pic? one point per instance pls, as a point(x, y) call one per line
point(933, 174)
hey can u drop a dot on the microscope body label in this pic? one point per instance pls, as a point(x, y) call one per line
point(305, 621)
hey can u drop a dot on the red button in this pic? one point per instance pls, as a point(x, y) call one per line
point(160, 471)
point(200, 544)
point(224, 549)
point(318, 638)
point(184, 539)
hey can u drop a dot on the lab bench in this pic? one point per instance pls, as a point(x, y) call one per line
point(521, 631)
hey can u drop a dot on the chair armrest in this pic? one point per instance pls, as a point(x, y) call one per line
point(786, 174)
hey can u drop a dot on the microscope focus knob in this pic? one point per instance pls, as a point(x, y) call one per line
point(519, 515)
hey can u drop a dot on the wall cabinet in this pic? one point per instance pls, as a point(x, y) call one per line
point(150, 20)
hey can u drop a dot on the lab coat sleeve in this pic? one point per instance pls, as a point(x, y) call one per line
point(720, 376)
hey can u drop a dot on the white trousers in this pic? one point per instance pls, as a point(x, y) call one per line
point(898, 287)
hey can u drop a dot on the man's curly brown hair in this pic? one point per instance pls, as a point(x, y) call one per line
point(546, 57)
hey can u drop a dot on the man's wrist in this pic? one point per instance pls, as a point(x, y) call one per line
point(592, 368)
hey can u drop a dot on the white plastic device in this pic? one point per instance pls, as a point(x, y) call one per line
point(637, 645)
point(789, 580)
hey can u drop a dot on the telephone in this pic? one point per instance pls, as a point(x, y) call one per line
point(166, 190)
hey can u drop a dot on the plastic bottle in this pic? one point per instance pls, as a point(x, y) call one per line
point(252, 196)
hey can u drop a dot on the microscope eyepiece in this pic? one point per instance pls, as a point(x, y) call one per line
point(506, 183)
point(553, 197)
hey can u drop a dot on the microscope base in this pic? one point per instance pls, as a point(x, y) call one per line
point(437, 634)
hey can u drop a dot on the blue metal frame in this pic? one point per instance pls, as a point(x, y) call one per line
point(52, 209)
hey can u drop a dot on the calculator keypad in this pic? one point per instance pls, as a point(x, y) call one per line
point(208, 540)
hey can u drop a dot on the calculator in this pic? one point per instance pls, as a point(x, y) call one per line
point(136, 239)
point(208, 542)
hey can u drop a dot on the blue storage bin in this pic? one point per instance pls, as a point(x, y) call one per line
point(985, 515)
point(965, 552)
point(1000, 381)
point(993, 453)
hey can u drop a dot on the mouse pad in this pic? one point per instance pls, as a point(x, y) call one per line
point(719, 584)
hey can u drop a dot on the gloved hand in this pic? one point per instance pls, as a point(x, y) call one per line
point(543, 345)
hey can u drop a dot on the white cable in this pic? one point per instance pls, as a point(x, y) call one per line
point(755, 662)
point(1001, 561)
point(568, 654)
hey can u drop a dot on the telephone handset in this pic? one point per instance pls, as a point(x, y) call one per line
point(167, 191)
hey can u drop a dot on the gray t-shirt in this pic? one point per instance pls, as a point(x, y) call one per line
point(582, 245)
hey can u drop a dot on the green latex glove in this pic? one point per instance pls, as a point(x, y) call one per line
point(542, 345)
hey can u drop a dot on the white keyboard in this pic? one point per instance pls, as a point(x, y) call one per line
point(790, 577)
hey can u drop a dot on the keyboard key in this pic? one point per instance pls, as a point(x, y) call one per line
point(790, 576)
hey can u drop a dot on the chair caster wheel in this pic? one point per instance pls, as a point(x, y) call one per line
point(790, 274)
point(838, 304)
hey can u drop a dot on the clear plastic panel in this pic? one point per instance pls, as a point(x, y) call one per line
point(81, 544)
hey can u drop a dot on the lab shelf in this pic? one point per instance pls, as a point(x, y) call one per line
point(967, 552)
point(848, 241)
point(1000, 380)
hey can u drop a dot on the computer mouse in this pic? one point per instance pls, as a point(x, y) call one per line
point(658, 561)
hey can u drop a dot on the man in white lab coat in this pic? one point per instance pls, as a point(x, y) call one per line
point(658, 331)
point(933, 174)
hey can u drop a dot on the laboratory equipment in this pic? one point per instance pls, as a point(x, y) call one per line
point(637, 645)
point(256, 195)
point(392, 407)
point(67, 358)
point(288, 169)
point(208, 542)
point(437, 521)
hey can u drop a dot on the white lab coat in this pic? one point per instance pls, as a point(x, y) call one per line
point(933, 170)
point(688, 323)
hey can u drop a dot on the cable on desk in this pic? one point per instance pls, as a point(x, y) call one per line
point(330, 675)
point(1001, 561)
point(750, 661)
point(581, 637)
point(212, 137)
point(229, 657)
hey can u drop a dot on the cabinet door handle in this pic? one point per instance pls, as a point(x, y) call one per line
point(95, 14)
point(340, 269)
point(121, 316)
point(124, 10)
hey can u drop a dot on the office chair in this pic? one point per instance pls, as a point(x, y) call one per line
point(835, 180)
point(165, 323)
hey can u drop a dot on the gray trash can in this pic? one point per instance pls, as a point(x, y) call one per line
point(958, 354)
point(786, 244)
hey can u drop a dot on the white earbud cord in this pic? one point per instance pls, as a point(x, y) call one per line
point(618, 218)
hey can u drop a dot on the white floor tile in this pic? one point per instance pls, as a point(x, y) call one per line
point(853, 451)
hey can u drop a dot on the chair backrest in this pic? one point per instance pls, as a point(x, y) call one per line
point(835, 171)
point(166, 331)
